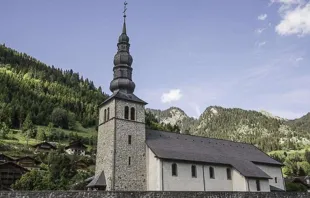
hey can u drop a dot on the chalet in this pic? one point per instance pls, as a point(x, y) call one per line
point(10, 172)
point(28, 162)
point(76, 148)
point(5, 158)
point(44, 147)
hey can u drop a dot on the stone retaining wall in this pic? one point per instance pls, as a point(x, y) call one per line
point(103, 194)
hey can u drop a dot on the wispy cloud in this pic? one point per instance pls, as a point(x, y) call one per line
point(260, 30)
point(299, 59)
point(172, 95)
point(260, 44)
point(262, 17)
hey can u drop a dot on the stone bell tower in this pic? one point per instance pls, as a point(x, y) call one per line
point(120, 160)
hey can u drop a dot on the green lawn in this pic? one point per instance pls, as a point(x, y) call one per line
point(16, 143)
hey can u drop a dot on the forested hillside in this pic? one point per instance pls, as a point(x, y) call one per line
point(259, 128)
point(45, 93)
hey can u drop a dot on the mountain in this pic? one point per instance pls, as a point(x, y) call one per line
point(300, 124)
point(174, 116)
point(262, 129)
point(44, 93)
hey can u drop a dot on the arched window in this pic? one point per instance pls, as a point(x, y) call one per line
point(132, 113)
point(194, 171)
point(211, 172)
point(228, 171)
point(127, 112)
point(105, 115)
point(174, 169)
point(108, 116)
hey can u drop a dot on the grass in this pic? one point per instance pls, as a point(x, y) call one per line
point(16, 143)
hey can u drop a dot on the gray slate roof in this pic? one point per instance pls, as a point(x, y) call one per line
point(98, 180)
point(241, 156)
point(124, 96)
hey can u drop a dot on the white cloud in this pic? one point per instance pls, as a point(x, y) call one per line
point(295, 17)
point(262, 17)
point(172, 95)
point(299, 59)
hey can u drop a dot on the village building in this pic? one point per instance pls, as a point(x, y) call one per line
point(10, 172)
point(76, 148)
point(5, 158)
point(131, 157)
point(28, 162)
point(44, 147)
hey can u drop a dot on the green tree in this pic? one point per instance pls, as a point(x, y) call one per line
point(4, 130)
point(41, 135)
point(28, 128)
point(71, 120)
point(60, 118)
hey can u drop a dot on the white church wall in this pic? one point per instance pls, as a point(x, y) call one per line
point(153, 171)
point(239, 182)
point(184, 180)
point(275, 173)
point(220, 181)
point(264, 185)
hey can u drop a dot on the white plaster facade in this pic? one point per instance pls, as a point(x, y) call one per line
point(275, 173)
point(75, 151)
point(159, 177)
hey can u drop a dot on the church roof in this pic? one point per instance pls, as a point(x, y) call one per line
point(241, 156)
point(124, 96)
point(98, 180)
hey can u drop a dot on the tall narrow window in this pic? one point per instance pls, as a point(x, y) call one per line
point(129, 139)
point(132, 113)
point(105, 115)
point(129, 160)
point(275, 180)
point(194, 171)
point(211, 172)
point(127, 112)
point(174, 168)
point(257, 185)
point(228, 171)
point(108, 114)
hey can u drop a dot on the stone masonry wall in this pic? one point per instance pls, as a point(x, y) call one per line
point(131, 176)
point(103, 194)
point(105, 145)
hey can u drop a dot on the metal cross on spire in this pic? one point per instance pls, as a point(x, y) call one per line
point(125, 8)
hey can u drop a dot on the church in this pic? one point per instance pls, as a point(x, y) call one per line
point(131, 157)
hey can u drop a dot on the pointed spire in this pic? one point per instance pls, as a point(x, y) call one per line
point(124, 27)
point(122, 80)
point(124, 12)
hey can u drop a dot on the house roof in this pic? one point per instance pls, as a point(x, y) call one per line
point(98, 180)
point(300, 179)
point(45, 143)
point(28, 157)
point(76, 144)
point(124, 96)
point(3, 156)
point(13, 164)
point(275, 189)
point(241, 156)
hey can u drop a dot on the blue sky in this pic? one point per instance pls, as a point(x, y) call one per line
point(250, 54)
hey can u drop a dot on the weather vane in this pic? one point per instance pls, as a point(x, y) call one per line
point(125, 8)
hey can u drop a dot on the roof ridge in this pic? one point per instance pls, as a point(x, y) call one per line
point(203, 137)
